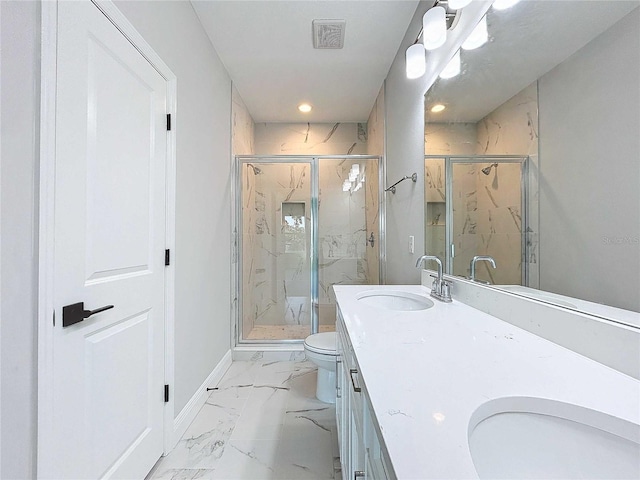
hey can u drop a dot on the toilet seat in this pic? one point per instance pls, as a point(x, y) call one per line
point(322, 343)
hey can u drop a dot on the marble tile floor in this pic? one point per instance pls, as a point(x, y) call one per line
point(285, 332)
point(262, 422)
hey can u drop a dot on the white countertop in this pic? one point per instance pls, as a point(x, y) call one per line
point(426, 373)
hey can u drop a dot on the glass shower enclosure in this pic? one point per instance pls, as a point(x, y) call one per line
point(303, 225)
point(478, 205)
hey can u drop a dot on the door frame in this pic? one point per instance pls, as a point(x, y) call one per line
point(46, 221)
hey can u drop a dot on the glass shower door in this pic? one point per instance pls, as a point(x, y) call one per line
point(348, 229)
point(276, 242)
point(488, 211)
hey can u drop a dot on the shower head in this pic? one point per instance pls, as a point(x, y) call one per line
point(487, 170)
point(256, 170)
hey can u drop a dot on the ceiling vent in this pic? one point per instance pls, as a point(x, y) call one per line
point(328, 33)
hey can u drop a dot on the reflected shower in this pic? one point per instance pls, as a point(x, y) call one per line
point(487, 170)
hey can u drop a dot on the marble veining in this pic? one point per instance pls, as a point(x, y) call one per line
point(310, 138)
point(261, 421)
point(511, 129)
point(276, 266)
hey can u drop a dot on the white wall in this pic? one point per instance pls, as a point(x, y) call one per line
point(242, 126)
point(203, 218)
point(203, 209)
point(20, 116)
point(590, 170)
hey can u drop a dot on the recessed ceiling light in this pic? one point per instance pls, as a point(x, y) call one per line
point(304, 107)
point(438, 108)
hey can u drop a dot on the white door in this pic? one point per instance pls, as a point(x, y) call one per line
point(109, 250)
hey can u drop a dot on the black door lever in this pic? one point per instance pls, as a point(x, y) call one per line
point(72, 314)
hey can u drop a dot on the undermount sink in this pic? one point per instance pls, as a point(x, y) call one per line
point(394, 300)
point(522, 438)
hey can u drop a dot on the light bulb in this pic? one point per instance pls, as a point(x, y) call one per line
point(504, 4)
point(346, 186)
point(304, 107)
point(453, 67)
point(437, 108)
point(434, 28)
point(478, 36)
point(416, 62)
point(458, 4)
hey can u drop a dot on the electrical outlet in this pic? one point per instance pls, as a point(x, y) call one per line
point(412, 243)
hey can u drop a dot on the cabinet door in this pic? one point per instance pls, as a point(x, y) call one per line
point(374, 462)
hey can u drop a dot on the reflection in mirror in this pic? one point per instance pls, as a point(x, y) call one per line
point(553, 96)
point(476, 205)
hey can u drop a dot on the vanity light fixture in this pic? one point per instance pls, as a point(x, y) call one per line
point(304, 107)
point(435, 23)
point(458, 4)
point(416, 62)
point(453, 67)
point(504, 4)
point(434, 28)
point(478, 36)
point(437, 108)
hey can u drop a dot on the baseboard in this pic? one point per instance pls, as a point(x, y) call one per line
point(193, 406)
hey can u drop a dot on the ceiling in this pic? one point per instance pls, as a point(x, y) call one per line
point(526, 41)
point(266, 46)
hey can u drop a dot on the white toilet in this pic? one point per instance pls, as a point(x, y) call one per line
point(320, 348)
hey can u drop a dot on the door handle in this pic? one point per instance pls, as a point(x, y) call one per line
point(75, 313)
point(353, 382)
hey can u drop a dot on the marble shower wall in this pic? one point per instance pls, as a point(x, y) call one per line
point(276, 267)
point(512, 129)
point(342, 230)
point(487, 209)
point(487, 221)
point(375, 146)
point(310, 138)
point(242, 143)
point(436, 208)
point(375, 126)
point(450, 139)
point(276, 263)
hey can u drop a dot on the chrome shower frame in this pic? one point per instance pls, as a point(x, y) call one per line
point(236, 217)
point(450, 160)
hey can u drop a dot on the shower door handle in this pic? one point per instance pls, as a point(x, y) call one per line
point(371, 240)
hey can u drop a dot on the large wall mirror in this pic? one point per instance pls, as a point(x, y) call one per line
point(532, 157)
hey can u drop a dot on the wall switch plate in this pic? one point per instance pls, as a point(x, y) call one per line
point(412, 243)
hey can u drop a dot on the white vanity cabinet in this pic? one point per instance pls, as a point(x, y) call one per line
point(361, 453)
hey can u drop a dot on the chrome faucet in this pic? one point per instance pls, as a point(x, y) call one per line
point(472, 267)
point(440, 289)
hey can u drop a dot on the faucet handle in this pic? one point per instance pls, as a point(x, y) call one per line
point(446, 290)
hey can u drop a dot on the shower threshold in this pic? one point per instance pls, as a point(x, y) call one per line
point(284, 332)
